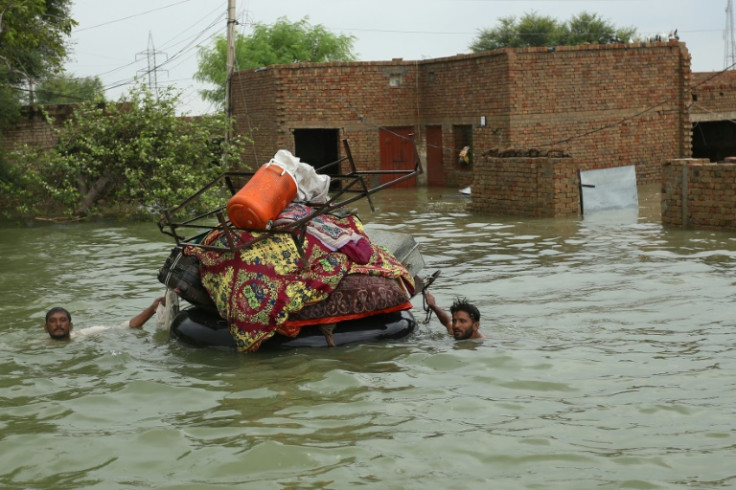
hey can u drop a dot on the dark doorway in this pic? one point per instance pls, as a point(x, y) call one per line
point(714, 140)
point(319, 148)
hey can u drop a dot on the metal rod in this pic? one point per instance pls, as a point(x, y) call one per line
point(297, 228)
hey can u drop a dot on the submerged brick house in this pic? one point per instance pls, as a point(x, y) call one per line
point(603, 105)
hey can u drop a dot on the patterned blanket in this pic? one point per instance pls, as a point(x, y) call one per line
point(258, 287)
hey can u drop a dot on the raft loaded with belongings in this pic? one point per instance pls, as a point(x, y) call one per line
point(286, 265)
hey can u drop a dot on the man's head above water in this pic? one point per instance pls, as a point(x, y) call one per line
point(465, 319)
point(462, 322)
point(58, 323)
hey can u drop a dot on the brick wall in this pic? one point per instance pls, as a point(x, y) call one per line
point(713, 92)
point(605, 105)
point(608, 105)
point(34, 129)
point(257, 117)
point(459, 90)
point(699, 194)
point(356, 98)
point(530, 187)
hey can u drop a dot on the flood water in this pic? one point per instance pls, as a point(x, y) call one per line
point(609, 363)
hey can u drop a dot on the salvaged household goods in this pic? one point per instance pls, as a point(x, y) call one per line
point(300, 274)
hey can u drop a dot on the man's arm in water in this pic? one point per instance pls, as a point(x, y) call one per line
point(442, 315)
point(142, 317)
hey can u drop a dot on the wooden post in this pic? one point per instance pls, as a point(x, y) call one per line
point(230, 62)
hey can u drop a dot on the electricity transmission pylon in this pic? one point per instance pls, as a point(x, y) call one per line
point(729, 38)
point(153, 66)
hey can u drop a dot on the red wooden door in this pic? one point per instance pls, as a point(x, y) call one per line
point(435, 173)
point(397, 153)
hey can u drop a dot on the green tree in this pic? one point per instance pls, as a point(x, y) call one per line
point(133, 157)
point(33, 37)
point(535, 30)
point(590, 28)
point(283, 42)
point(66, 89)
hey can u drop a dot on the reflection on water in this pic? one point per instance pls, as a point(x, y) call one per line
point(609, 364)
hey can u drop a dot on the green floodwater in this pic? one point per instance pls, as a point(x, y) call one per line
point(609, 363)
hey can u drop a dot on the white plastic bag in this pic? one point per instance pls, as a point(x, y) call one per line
point(165, 314)
point(312, 187)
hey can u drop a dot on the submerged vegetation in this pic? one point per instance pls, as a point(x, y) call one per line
point(132, 158)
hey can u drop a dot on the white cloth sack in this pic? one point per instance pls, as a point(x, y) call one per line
point(311, 186)
point(165, 314)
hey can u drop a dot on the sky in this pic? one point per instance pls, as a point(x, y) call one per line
point(116, 41)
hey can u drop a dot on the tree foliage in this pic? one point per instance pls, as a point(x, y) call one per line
point(283, 42)
point(67, 89)
point(590, 28)
point(33, 36)
point(133, 156)
point(535, 30)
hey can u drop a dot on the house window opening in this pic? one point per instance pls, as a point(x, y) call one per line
point(463, 143)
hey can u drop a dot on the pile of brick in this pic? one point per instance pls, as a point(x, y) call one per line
point(699, 194)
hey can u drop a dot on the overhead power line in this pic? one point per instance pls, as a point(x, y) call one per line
point(131, 16)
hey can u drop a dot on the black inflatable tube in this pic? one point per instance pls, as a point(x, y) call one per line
point(202, 328)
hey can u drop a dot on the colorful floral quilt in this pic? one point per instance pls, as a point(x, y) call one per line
point(258, 287)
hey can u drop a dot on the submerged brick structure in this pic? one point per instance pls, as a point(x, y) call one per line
point(605, 105)
point(699, 194)
point(523, 186)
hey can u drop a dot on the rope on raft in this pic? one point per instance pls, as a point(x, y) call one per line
point(426, 308)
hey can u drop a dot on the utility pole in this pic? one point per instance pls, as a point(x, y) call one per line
point(230, 58)
point(729, 38)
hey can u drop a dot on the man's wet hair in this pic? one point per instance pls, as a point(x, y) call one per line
point(462, 304)
point(58, 309)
